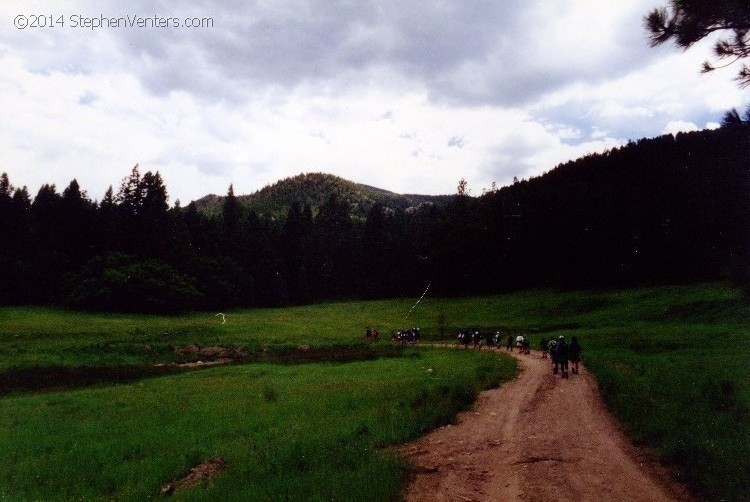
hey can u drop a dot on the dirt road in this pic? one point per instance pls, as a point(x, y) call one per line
point(537, 438)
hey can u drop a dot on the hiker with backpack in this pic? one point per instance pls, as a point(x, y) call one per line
point(519, 343)
point(574, 353)
point(553, 355)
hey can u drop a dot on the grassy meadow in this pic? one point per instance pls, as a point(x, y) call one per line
point(288, 432)
point(671, 362)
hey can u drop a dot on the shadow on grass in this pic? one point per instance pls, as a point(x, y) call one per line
point(60, 378)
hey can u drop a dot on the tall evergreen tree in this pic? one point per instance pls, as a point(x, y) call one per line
point(230, 212)
point(375, 255)
point(21, 205)
point(294, 247)
point(7, 226)
point(129, 200)
point(262, 264)
point(130, 196)
point(153, 218)
point(14, 208)
point(106, 223)
point(334, 230)
point(142, 214)
point(49, 263)
point(77, 213)
point(6, 193)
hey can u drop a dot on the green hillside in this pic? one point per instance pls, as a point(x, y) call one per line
point(313, 189)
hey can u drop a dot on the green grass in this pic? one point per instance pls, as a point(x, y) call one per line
point(32, 337)
point(671, 361)
point(290, 432)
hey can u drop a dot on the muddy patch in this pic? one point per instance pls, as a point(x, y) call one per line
point(200, 474)
point(191, 356)
point(194, 355)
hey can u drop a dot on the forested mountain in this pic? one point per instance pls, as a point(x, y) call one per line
point(656, 211)
point(313, 189)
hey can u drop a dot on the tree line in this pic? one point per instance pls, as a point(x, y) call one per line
point(672, 209)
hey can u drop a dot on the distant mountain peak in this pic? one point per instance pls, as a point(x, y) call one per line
point(314, 189)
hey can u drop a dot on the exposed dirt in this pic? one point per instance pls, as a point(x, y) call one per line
point(538, 438)
point(192, 355)
point(198, 474)
point(210, 353)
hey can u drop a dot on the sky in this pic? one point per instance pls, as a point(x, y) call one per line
point(406, 95)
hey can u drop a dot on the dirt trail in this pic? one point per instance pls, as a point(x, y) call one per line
point(537, 438)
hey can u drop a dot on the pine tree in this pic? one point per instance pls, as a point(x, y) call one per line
point(14, 228)
point(333, 227)
point(375, 253)
point(261, 262)
point(78, 228)
point(106, 238)
point(6, 191)
point(294, 246)
point(687, 22)
point(230, 212)
point(130, 197)
point(153, 217)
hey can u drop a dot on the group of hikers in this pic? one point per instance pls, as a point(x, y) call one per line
point(562, 354)
point(474, 337)
point(408, 335)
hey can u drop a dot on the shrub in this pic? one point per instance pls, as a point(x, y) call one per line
point(123, 283)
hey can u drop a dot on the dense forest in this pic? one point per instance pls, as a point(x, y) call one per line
point(673, 209)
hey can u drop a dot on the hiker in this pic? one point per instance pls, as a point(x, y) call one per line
point(477, 338)
point(562, 354)
point(509, 343)
point(490, 339)
point(464, 337)
point(544, 346)
point(519, 343)
point(553, 355)
point(526, 345)
point(574, 353)
point(371, 335)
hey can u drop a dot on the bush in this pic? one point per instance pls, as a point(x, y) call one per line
point(123, 283)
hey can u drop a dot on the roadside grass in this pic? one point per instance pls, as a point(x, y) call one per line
point(691, 405)
point(672, 364)
point(316, 431)
point(671, 361)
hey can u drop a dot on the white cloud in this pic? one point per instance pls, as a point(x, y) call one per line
point(675, 126)
point(402, 95)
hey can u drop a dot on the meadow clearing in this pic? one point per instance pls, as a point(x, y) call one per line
point(671, 363)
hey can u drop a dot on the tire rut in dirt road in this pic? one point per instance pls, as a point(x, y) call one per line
point(539, 437)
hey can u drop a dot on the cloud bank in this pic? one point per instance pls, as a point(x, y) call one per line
point(406, 96)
